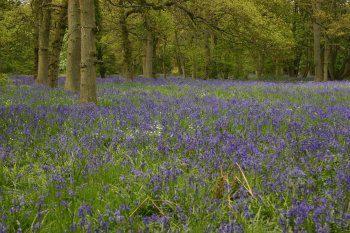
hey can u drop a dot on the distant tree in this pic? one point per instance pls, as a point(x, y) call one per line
point(101, 65)
point(37, 15)
point(316, 7)
point(128, 67)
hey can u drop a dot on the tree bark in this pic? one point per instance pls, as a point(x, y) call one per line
point(57, 42)
point(148, 59)
point(101, 66)
point(194, 66)
point(72, 82)
point(214, 69)
point(278, 69)
point(128, 68)
point(326, 61)
point(35, 5)
point(317, 41)
point(179, 56)
point(207, 57)
point(259, 62)
point(88, 93)
point(164, 67)
point(345, 70)
point(209, 50)
point(44, 34)
point(332, 64)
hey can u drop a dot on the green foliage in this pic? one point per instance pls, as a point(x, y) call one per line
point(16, 50)
point(281, 30)
point(3, 80)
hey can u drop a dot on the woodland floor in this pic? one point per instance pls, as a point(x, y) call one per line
point(176, 155)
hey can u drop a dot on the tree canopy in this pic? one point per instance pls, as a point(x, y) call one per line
point(207, 39)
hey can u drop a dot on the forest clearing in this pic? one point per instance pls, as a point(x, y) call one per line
point(174, 116)
point(175, 155)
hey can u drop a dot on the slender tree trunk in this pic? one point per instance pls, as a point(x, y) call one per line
point(209, 50)
point(44, 34)
point(88, 92)
point(194, 66)
point(345, 70)
point(317, 41)
point(333, 60)
point(180, 56)
point(72, 82)
point(155, 57)
point(36, 11)
point(278, 68)
point(294, 64)
point(149, 51)
point(326, 61)
point(127, 50)
point(101, 66)
point(57, 42)
point(207, 57)
point(164, 57)
point(293, 68)
point(309, 68)
point(346, 73)
point(259, 66)
point(214, 67)
point(183, 68)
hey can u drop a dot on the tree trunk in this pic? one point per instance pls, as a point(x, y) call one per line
point(164, 57)
point(214, 67)
point(207, 57)
point(180, 56)
point(326, 61)
point(127, 50)
point(278, 69)
point(72, 82)
point(148, 59)
point(88, 93)
point(182, 66)
point(44, 34)
point(294, 64)
point(101, 66)
point(317, 41)
point(209, 48)
point(194, 66)
point(36, 11)
point(332, 64)
point(309, 68)
point(259, 62)
point(57, 42)
point(346, 73)
point(345, 70)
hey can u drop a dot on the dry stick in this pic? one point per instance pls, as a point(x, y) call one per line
point(160, 211)
point(246, 181)
point(138, 207)
point(157, 207)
